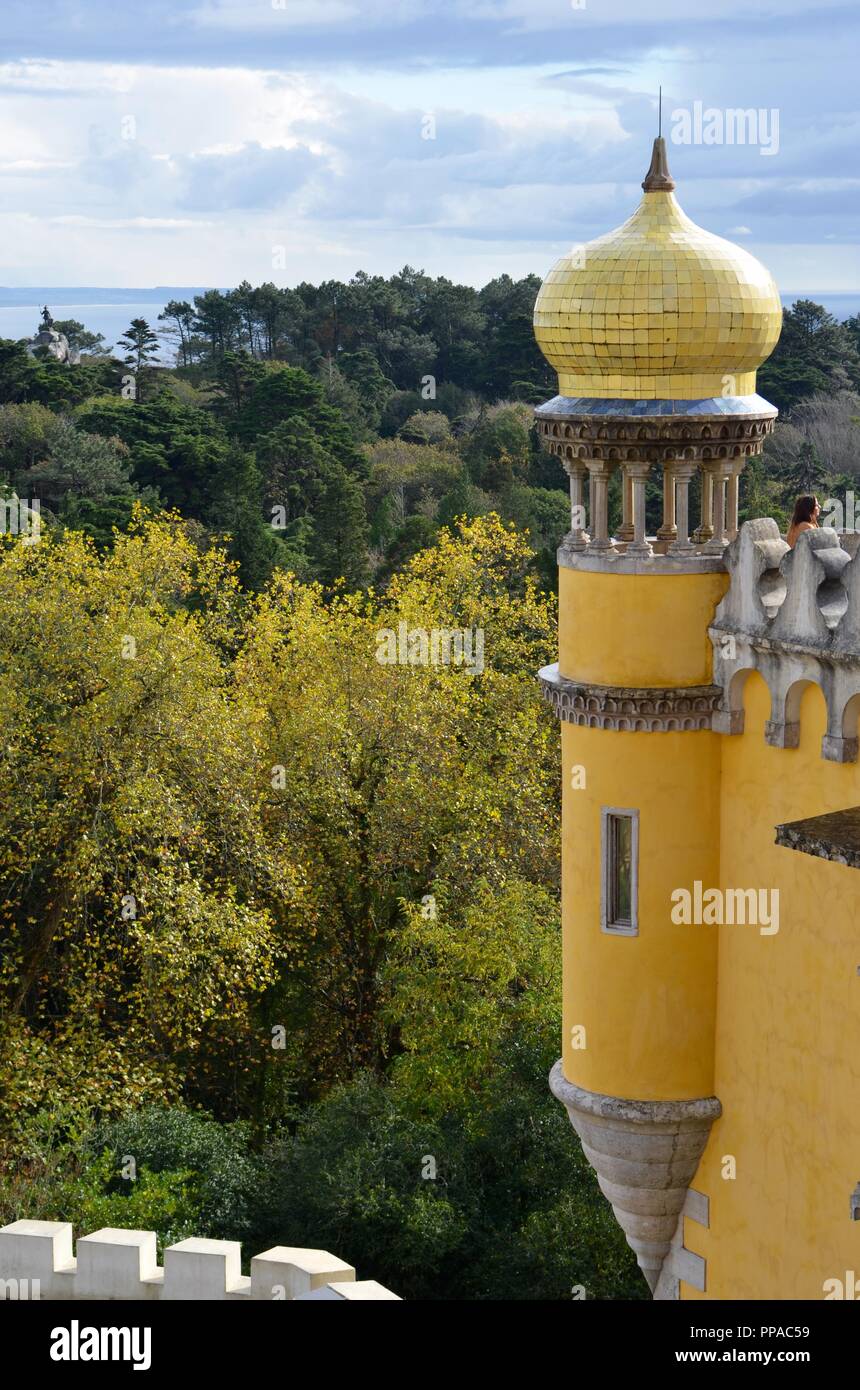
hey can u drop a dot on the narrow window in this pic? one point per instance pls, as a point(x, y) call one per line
point(619, 855)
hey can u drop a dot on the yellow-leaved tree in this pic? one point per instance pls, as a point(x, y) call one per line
point(219, 812)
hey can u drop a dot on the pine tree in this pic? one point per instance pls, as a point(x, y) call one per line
point(339, 544)
point(141, 350)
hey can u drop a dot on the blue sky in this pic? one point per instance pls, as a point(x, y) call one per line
point(188, 143)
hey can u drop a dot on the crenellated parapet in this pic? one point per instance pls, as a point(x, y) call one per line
point(37, 1262)
point(793, 616)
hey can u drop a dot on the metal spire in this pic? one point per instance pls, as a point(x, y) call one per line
point(658, 179)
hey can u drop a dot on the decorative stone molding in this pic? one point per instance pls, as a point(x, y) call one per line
point(730, 427)
point(120, 1264)
point(653, 709)
point(573, 556)
point(793, 616)
point(645, 1154)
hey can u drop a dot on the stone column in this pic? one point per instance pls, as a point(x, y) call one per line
point(668, 530)
point(577, 538)
point(719, 472)
point(625, 532)
point(733, 499)
point(599, 472)
point(638, 474)
point(683, 472)
point(705, 528)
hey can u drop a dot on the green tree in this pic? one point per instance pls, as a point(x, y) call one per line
point(218, 321)
point(426, 427)
point(815, 353)
point(140, 346)
point(179, 315)
point(174, 448)
point(77, 465)
point(803, 474)
point(236, 512)
point(340, 531)
point(80, 340)
point(373, 389)
point(16, 371)
point(398, 774)
point(273, 395)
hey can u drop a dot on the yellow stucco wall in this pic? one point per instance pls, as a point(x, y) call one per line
point(631, 629)
point(646, 1002)
point(654, 1044)
point(769, 1023)
point(788, 1030)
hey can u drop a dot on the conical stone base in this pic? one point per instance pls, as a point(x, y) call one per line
point(645, 1154)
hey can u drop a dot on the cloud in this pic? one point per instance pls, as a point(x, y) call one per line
point(223, 127)
point(272, 17)
point(250, 178)
point(140, 224)
point(576, 73)
point(415, 33)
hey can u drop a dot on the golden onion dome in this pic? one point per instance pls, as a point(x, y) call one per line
point(658, 308)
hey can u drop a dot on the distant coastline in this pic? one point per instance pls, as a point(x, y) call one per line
point(110, 311)
point(100, 310)
point(844, 303)
point(60, 295)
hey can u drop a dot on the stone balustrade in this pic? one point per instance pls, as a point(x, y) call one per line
point(37, 1261)
point(793, 616)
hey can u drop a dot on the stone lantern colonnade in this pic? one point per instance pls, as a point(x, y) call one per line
point(592, 444)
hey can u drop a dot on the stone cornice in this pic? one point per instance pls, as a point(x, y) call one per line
point(699, 431)
point(620, 562)
point(653, 1113)
point(646, 709)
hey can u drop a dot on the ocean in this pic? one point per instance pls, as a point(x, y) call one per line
point(107, 311)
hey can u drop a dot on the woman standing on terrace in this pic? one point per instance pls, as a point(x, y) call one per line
point(805, 517)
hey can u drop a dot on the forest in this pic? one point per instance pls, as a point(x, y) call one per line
point(279, 921)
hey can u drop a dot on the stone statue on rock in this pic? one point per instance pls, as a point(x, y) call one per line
point(49, 340)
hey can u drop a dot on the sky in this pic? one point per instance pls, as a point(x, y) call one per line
point(188, 142)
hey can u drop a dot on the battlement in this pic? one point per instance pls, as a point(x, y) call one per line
point(37, 1261)
point(793, 616)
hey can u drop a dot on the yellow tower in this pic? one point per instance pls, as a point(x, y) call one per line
point(656, 331)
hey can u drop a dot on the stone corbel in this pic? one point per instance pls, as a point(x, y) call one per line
point(645, 1154)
